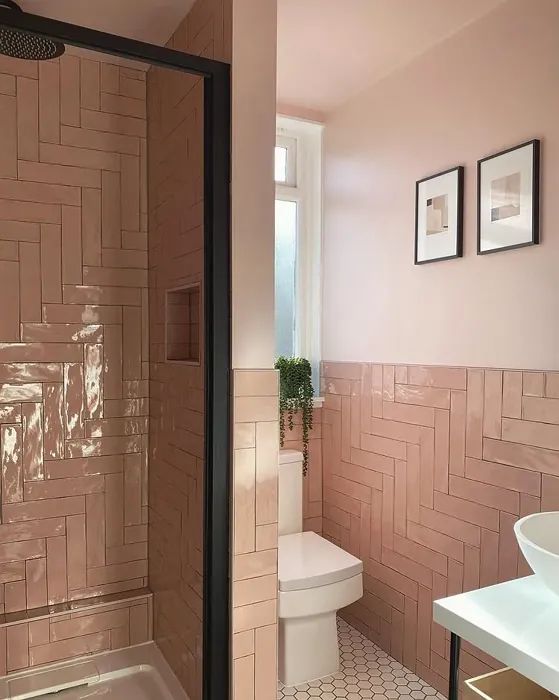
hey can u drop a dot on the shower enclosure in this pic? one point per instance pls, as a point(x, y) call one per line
point(114, 373)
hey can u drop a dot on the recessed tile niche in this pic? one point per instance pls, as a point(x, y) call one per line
point(182, 324)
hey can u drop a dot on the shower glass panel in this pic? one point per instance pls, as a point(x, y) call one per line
point(175, 105)
point(102, 356)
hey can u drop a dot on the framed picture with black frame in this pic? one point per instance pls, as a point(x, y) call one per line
point(508, 199)
point(439, 208)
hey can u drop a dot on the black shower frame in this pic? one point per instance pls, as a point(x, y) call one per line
point(217, 286)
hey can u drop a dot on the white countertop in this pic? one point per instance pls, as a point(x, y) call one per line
point(516, 622)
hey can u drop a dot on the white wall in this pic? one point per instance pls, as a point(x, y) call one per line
point(491, 86)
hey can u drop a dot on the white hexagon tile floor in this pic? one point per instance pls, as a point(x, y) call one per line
point(366, 672)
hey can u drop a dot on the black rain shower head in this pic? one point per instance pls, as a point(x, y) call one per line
point(20, 44)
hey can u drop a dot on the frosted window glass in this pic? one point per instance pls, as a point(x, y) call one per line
point(286, 259)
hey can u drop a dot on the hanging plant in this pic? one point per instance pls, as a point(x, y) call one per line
point(296, 396)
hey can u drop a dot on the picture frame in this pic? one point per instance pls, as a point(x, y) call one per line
point(508, 199)
point(439, 214)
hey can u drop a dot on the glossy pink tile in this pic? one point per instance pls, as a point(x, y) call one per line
point(475, 412)
point(512, 394)
point(17, 647)
point(74, 390)
point(49, 102)
point(37, 510)
point(30, 282)
point(95, 536)
point(493, 404)
point(27, 119)
point(54, 427)
point(14, 596)
point(32, 441)
point(57, 577)
point(533, 383)
point(36, 582)
point(51, 263)
point(11, 460)
point(442, 377)
point(457, 432)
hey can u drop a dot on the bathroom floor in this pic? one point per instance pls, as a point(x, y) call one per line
point(366, 672)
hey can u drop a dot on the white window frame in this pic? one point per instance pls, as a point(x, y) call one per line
point(306, 190)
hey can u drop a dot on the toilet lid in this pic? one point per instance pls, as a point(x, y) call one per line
point(306, 560)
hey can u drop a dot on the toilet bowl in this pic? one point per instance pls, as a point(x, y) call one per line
point(316, 579)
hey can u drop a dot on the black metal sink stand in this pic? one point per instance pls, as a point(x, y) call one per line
point(454, 664)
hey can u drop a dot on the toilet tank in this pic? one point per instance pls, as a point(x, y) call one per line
point(290, 492)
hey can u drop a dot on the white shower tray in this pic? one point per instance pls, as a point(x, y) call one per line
point(138, 672)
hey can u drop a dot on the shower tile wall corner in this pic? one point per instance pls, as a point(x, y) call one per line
point(73, 372)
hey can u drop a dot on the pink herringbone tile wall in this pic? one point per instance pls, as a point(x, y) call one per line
point(176, 259)
point(73, 367)
point(426, 470)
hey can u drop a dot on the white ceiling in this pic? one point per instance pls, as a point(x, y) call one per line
point(330, 50)
point(153, 21)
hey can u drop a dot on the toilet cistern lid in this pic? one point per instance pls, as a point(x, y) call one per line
point(306, 560)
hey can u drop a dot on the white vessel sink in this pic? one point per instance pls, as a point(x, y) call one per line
point(538, 537)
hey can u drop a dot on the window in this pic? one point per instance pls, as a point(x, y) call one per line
point(298, 176)
point(286, 160)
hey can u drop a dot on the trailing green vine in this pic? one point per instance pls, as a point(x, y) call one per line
point(296, 395)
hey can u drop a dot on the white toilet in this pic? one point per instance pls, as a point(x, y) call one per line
point(316, 579)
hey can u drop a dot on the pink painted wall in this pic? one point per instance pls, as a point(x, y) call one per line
point(491, 86)
point(252, 187)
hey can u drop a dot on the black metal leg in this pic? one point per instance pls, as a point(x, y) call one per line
point(454, 663)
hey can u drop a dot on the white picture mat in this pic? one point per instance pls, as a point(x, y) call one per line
point(439, 245)
point(516, 229)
